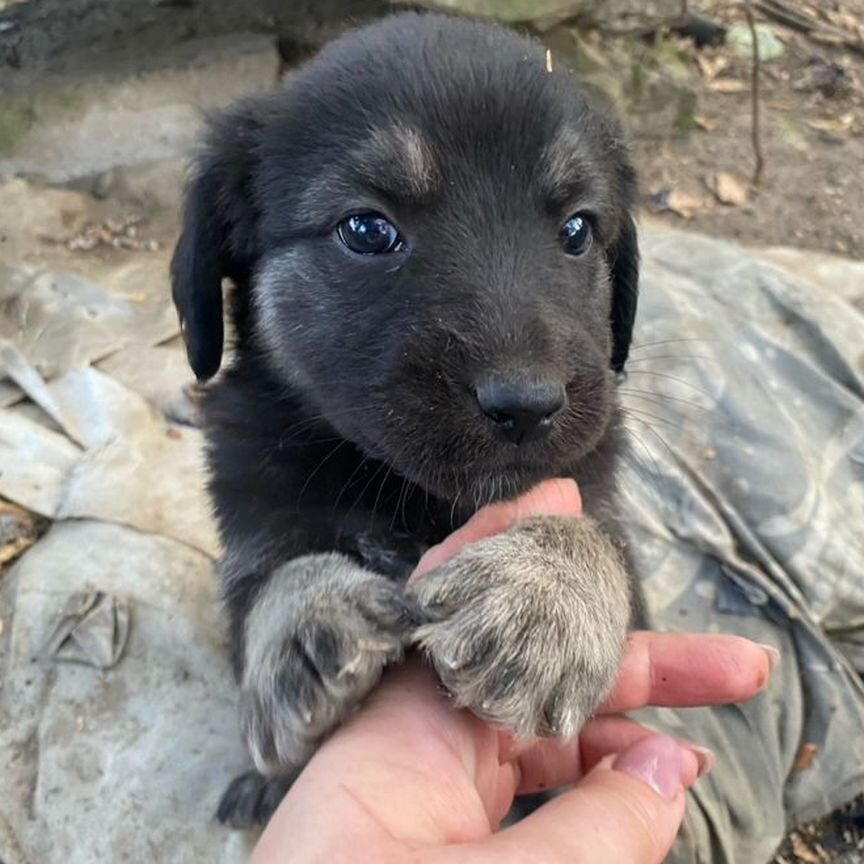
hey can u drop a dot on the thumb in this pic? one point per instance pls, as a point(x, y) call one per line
point(627, 810)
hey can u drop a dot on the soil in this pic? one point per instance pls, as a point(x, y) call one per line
point(811, 194)
point(837, 839)
point(812, 189)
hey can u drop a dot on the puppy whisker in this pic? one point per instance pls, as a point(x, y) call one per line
point(387, 474)
point(675, 378)
point(357, 468)
point(652, 473)
point(641, 346)
point(310, 422)
point(662, 398)
point(320, 465)
point(657, 435)
point(632, 411)
point(682, 357)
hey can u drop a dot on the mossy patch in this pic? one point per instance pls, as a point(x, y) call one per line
point(19, 114)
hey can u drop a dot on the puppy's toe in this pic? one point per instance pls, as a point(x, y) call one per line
point(527, 628)
point(251, 799)
point(310, 678)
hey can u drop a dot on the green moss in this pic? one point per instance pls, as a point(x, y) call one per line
point(16, 119)
point(790, 130)
point(18, 115)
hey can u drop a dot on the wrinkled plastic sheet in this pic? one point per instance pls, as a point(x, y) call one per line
point(746, 506)
point(92, 629)
point(116, 457)
point(745, 494)
point(60, 320)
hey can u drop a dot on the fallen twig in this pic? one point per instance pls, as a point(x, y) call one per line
point(754, 97)
point(819, 31)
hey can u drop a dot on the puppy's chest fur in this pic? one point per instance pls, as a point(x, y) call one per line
point(285, 484)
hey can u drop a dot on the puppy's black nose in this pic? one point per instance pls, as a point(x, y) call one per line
point(522, 411)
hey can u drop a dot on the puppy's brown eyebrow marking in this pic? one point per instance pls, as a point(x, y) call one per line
point(399, 161)
point(564, 171)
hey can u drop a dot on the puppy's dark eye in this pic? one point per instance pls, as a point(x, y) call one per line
point(576, 235)
point(369, 234)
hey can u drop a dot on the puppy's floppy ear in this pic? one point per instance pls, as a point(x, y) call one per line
point(216, 239)
point(624, 263)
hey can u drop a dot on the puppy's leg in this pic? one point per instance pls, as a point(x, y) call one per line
point(251, 799)
point(316, 639)
point(527, 628)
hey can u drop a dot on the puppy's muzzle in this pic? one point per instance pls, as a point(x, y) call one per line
point(522, 411)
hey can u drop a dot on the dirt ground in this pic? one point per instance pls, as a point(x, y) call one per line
point(812, 135)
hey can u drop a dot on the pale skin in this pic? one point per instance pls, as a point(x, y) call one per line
point(409, 779)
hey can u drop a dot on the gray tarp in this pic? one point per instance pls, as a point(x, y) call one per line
point(748, 517)
point(746, 502)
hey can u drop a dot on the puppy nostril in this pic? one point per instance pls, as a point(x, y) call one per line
point(499, 419)
point(521, 411)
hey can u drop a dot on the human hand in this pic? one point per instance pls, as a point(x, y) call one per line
point(410, 779)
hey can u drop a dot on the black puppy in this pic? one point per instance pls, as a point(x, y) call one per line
point(433, 275)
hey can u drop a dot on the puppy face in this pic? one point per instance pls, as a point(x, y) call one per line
point(431, 242)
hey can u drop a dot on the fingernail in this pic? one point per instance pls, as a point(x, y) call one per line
point(773, 654)
point(655, 760)
point(704, 757)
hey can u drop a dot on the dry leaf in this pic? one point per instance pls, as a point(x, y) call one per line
point(136, 297)
point(682, 204)
point(805, 756)
point(711, 67)
point(19, 530)
point(685, 205)
point(727, 85)
point(117, 233)
point(834, 125)
point(704, 123)
point(728, 189)
point(804, 852)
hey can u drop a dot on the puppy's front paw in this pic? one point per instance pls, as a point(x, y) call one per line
point(317, 639)
point(527, 628)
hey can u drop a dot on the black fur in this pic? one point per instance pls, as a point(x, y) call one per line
point(346, 419)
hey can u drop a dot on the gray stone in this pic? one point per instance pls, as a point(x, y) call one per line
point(611, 13)
point(741, 40)
point(75, 128)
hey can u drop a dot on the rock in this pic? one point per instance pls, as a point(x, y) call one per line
point(623, 14)
point(616, 14)
point(652, 86)
point(87, 125)
point(151, 186)
point(741, 40)
point(829, 79)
